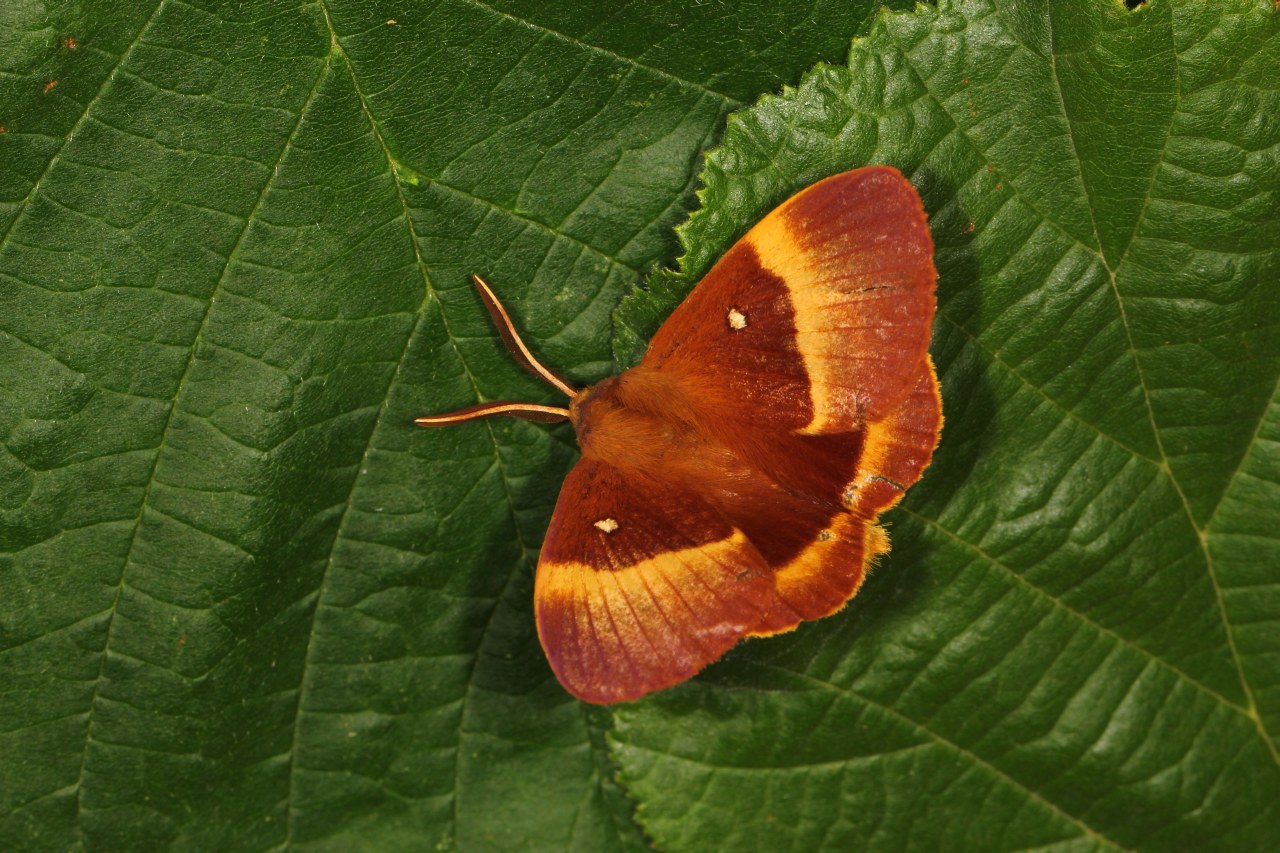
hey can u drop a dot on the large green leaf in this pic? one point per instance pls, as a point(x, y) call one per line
point(244, 603)
point(1076, 642)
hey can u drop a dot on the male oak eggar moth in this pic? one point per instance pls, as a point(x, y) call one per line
point(730, 483)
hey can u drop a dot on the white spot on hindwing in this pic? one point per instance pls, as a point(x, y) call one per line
point(737, 320)
point(607, 525)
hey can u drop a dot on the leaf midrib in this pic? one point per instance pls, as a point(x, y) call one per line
point(429, 296)
point(173, 407)
point(1200, 532)
point(1244, 457)
point(1163, 463)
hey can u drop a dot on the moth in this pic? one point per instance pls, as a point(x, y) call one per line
point(731, 482)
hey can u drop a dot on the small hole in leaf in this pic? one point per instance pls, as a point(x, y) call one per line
point(1133, 4)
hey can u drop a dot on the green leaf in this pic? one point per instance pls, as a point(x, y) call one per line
point(1076, 640)
point(244, 603)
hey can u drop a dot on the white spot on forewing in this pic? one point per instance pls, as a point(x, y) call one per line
point(737, 320)
point(608, 525)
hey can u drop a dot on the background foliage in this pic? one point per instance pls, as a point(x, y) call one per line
point(245, 605)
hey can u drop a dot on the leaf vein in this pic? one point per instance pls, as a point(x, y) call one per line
point(151, 477)
point(625, 60)
point(66, 140)
point(977, 762)
point(1040, 591)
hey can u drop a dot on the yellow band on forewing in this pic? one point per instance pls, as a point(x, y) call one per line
point(782, 255)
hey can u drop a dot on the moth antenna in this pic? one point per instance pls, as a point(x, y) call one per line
point(524, 411)
point(515, 345)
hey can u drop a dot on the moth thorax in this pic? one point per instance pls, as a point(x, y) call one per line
point(623, 421)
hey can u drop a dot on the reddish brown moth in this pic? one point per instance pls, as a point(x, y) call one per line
point(731, 482)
